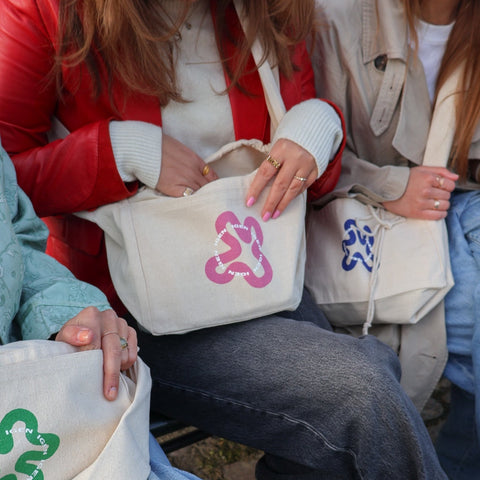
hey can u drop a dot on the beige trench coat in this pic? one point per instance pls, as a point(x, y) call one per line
point(361, 65)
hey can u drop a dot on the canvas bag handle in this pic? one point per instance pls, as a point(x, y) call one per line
point(442, 125)
point(268, 75)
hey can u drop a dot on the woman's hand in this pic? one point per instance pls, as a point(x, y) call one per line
point(92, 329)
point(294, 169)
point(183, 172)
point(427, 195)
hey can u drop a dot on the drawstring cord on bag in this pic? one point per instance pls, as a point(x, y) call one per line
point(378, 232)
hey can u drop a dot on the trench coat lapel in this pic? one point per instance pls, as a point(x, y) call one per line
point(401, 84)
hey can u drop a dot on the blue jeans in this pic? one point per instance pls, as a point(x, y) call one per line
point(161, 467)
point(458, 443)
point(321, 405)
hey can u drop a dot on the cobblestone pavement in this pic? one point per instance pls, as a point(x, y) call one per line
point(219, 459)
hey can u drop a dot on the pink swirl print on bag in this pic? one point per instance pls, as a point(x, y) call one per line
point(219, 269)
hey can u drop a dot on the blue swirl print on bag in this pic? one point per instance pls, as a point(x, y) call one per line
point(361, 239)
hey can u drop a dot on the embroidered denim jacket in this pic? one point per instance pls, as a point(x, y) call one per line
point(37, 294)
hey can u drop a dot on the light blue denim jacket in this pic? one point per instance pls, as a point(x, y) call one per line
point(462, 304)
point(37, 294)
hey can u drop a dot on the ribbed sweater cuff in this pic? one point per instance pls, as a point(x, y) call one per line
point(137, 148)
point(315, 126)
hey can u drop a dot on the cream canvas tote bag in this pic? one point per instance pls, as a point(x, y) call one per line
point(365, 264)
point(55, 423)
point(181, 264)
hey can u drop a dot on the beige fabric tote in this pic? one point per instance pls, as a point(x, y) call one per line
point(365, 264)
point(55, 423)
point(181, 264)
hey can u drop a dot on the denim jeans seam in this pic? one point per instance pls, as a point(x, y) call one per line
point(281, 416)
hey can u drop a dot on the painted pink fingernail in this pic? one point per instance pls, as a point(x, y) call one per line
point(250, 201)
point(276, 214)
point(266, 217)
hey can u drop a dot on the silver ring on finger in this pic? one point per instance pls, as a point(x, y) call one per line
point(436, 204)
point(440, 180)
point(300, 179)
point(187, 192)
point(123, 343)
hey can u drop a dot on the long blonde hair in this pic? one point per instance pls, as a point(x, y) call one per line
point(463, 47)
point(133, 39)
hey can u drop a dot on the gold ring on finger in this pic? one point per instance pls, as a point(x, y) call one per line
point(301, 179)
point(205, 170)
point(110, 332)
point(273, 162)
point(123, 343)
point(436, 204)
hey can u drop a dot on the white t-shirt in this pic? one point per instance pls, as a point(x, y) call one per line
point(432, 41)
point(200, 79)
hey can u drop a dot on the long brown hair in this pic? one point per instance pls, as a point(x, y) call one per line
point(133, 39)
point(463, 47)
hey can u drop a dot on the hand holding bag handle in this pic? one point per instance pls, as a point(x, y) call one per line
point(437, 154)
point(357, 273)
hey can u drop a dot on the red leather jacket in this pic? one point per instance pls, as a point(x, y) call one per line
point(79, 172)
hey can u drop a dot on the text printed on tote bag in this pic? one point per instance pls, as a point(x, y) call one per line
point(224, 267)
point(21, 422)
